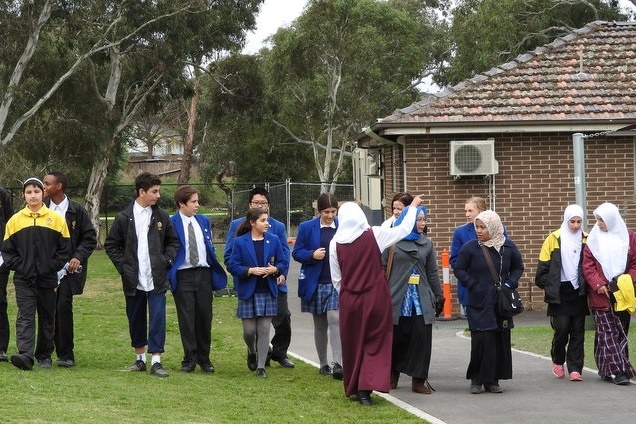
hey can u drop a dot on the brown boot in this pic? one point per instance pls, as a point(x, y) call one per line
point(420, 385)
point(395, 376)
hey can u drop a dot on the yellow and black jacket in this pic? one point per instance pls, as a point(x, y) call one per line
point(548, 276)
point(36, 246)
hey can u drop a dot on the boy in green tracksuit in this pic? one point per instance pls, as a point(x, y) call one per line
point(36, 246)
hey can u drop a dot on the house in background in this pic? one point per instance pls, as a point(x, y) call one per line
point(507, 135)
point(157, 149)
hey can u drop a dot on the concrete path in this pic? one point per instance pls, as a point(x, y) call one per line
point(534, 395)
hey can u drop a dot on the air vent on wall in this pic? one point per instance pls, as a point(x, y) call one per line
point(473, 157)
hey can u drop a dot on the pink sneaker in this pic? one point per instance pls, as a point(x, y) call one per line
point(558, 370)
point(575, 376)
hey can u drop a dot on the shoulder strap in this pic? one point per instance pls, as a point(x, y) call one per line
point(389, 262)
point(491, 266)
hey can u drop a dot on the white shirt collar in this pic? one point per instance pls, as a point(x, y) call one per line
point(187, 219)
point(61, 208)
point(137, 208)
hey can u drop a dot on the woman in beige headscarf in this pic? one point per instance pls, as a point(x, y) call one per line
point(490, 349)
point(610, 252)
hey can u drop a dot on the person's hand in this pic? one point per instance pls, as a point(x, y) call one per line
point(319, 254)
point(280, 280)
point(417, 200)
point(603, 290)
point(439, 305)
point(73, 265)
point(258, 270)
point(271, 269)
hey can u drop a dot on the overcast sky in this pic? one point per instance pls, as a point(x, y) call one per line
point(273, 15)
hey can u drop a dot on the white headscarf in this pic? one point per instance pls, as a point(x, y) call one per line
point(495, 228)
point(351, 223)
point(571, 244)
point(610, 247)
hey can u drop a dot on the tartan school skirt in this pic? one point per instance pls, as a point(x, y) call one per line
point(610, 345)
point(259, 305)
point(325, 299)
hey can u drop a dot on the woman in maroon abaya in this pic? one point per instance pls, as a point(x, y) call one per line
point(366, 322)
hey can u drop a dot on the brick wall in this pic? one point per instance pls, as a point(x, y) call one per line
point(534, 185)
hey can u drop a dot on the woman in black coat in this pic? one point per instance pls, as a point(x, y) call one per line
point(490, 353)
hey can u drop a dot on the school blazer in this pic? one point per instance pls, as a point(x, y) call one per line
point(243, 256)
point(307, 241)
point(218, 277)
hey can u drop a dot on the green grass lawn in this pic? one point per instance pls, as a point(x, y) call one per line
point(100, 390)
point(539, 340)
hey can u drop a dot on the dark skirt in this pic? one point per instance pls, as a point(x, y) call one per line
point(572, 303)
point(259, 305)
point(412, 341)
point(325, 299)
point(490, 356)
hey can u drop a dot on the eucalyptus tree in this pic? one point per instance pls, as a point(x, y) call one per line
point(131, 54)
point(237, 136)
point(341, 65)
point(486, 33)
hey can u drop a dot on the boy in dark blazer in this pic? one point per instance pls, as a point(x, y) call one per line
point(193, 277)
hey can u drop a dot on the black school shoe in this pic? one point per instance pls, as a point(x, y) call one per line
point(22, 361)
point(284, 362)
point(621, 379)
point(252, 364)
point(325, 370)
point(364, 397)
point(336, 371)
point(207, 367)
point(65, 363)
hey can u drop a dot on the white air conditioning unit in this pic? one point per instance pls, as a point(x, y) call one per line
point(473, 157)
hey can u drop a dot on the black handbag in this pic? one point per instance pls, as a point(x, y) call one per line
point(509, 302)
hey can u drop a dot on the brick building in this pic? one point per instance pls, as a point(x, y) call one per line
point(529, 108)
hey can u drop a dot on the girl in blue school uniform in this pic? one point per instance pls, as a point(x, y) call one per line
point(256, 262)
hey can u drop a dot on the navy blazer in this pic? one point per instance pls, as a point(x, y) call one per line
point(217, 273)
point(244, 256)
point(473, 272)
point(275, 227)
point(307, 241)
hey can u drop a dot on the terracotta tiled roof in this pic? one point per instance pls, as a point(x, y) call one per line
point(588, 75)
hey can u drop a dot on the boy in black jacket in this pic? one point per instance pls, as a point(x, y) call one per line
point(142, 245)
point(73, 277)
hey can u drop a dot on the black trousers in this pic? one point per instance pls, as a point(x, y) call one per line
point(193, 299)
point(568, 340)
point(64, 334)
point(282, 328)
point(31, 299)
point(5, 331)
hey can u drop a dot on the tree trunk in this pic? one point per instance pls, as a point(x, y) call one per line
point(188, 145)
point(94, 192)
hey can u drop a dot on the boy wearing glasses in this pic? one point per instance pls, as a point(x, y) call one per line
point(259, 198)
